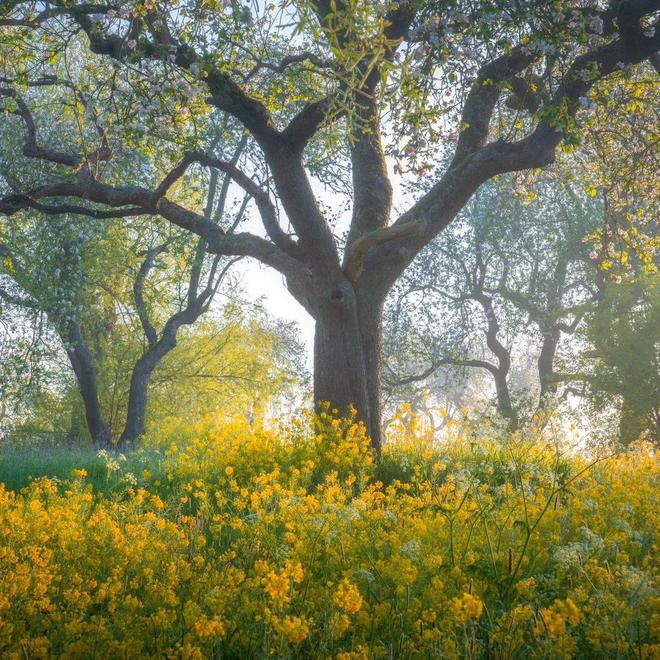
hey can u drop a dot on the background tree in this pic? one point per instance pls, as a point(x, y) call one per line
point(27, 350)
point(77, 274)
point(82, 299)
point(624, 363)
point(503, 84)
point(237, 363)
point(44, 271)
point(619, 370)
point(497, 292)
point(234, 362)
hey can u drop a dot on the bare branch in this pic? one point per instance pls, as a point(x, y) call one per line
point(261, 197)
point(473, 164)
point(243, 244)
point(302, 128)
point(443, 362)
point(226, 93)
point(481, 100)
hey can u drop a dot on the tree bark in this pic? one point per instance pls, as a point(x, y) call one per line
point(371, 328)
point(500, 351)
point(347, 357)
point(504, 404)
point(546, 361)
point(632, 421)
point(138, 395)
point(84, 369)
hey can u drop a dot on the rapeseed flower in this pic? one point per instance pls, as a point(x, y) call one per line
point(271, 540)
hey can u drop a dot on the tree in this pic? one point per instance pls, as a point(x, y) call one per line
point(44, 273)
point(503, 284)
point(624, 364)
point(235, 362)
point(79, 297)
point(73, 272)
point(388, 77)
point(620, 368)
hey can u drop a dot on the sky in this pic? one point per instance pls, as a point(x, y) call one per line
point(266, 283)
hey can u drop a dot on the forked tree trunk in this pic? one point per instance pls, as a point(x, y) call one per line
point(546, 362)
point(504, 404)
point(138, 395)
point(136, 413)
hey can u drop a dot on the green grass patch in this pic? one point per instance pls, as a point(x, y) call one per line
point(19, 466)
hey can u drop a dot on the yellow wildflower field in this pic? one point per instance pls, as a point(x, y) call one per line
point(275, 541)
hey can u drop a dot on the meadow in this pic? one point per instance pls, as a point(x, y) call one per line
point(237, 540)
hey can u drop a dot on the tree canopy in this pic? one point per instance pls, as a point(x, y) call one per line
point(115, 102)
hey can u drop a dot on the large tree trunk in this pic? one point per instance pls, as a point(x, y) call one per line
point(371, 327)
point(84, 368)
point(347, 358)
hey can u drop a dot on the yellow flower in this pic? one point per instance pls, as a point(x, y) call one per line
point(553, 619)
point(339, 624)
point(229, 470)
point(348, 597)
point(467, 606)
point(297, 572)
point(277, 587)
point(551, 622)
point(525, 588)
point(295, 628)
point(211, 628)
point(269, 564)
point(569, 610)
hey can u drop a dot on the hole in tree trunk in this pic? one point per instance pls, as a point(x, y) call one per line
point(337, 296)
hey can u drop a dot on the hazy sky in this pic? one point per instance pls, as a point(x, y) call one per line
point(261, 281)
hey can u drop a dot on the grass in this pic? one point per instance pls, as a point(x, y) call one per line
point(19, 466)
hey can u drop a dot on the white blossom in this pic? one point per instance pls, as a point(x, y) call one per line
point(596, 24)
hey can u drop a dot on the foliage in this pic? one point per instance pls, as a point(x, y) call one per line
point(235, 362)
point(262, 540)
point(620, 161)
point(501, 292)
point(238, 364)
point(625, 333)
